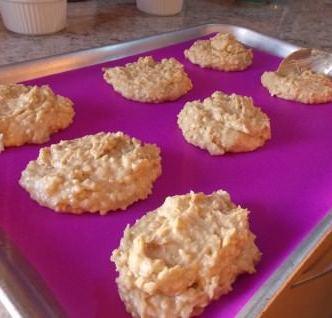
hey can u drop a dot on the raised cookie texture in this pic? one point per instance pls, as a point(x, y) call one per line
point(221, 52)
point(2, 147)
point(305, 87)
point(147, 80)
point(30, 114)
point(95, 173)
point(175, 260)
point(224, 123)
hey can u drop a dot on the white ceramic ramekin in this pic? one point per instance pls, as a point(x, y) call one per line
point(34, 16)
point(160, 7)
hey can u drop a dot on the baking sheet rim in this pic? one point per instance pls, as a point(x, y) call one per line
point(33, 69)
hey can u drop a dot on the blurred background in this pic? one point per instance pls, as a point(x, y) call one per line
point(93, 23)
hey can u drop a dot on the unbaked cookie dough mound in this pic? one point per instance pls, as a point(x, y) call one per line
point(224, 123)
point(175, 260)
point(221, 52)
point(150, 81)
point(102, 172)
point(305, 87)
point(30, 114)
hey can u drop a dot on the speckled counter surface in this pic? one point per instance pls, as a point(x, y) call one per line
point(95, 23)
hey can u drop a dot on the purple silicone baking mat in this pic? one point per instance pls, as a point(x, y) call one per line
point(287, 184)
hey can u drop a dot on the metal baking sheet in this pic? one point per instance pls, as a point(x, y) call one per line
point(60, 63)
point(286, 185)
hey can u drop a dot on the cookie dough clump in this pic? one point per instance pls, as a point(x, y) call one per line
point(30, 114)
point(175, 260)
point(150, 81)
point(306, 86)
point(102, 172)
point(224, 123)
point(221, 52)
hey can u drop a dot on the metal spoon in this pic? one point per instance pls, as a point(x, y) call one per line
point(307, 59)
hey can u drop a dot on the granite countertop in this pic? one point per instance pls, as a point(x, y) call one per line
point(95, 23)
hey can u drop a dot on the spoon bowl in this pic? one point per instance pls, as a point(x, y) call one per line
point(307, 59)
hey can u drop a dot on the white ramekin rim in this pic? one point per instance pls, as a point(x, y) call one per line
point(34, 17)
point(160, 7)
point(31, 1)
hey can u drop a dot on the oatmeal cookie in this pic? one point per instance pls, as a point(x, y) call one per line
point(102, 172)
point(30, 114)
point(221, 52)
point(306, 86)
point(150, 81)
point(224, 123)
point(175, 260)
